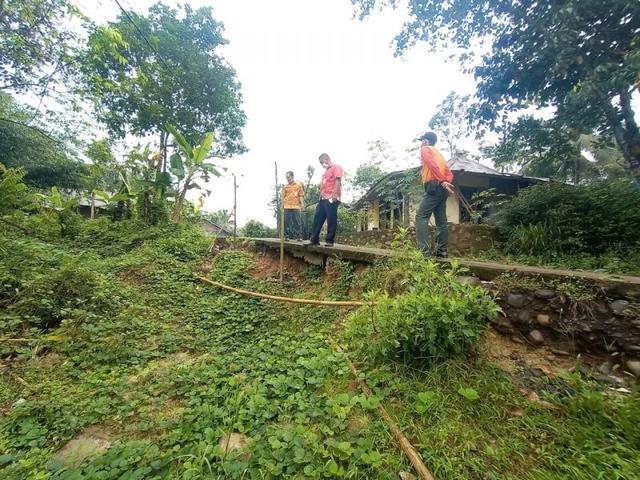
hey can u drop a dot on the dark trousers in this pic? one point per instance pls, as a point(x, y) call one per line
point(328, 211)
point(292, 223)
point(436, 204)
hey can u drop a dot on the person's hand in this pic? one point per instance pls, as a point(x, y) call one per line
point(448, 187)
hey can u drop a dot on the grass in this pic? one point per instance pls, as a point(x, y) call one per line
point(610, 262)
point(165, 367)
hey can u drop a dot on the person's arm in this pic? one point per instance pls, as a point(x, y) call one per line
point(301, 197)
point(447, 183)
point(337, 188)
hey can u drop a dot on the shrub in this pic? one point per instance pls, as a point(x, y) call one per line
point(589, 218)
point(433, 318)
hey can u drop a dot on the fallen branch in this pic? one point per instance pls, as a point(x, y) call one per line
point(346, 303)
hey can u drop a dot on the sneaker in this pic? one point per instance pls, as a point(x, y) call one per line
point(328, 244)
point(315, 244)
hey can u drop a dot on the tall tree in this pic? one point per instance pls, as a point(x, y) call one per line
point(149, 71)
point(101, 172)
point(580, 56)
point(451, 121)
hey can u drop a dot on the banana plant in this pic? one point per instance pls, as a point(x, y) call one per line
point(189, 164)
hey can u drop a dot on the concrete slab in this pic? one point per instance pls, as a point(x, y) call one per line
point(616, 286)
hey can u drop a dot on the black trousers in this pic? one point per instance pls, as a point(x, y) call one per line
point(292, 223)
point(325, 211)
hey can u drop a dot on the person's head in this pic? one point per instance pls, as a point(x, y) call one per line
point(290, 177)
point(429, 138)
point(325, 161)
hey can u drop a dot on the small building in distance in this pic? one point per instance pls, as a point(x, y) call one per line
point(394, 198)
point(213, 229)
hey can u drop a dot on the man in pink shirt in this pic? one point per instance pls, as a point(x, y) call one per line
point(327, 208)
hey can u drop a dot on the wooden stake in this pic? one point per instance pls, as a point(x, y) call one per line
point(280, 205)
point(235, 208)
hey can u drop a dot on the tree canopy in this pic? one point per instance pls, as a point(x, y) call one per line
point(580, 57)
point(36, 43)
point(146, 72)
point(45, 157)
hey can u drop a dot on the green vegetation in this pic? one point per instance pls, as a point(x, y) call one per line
point(109, 332)
point(108, 340)
point(572, 226)
point(432, 318)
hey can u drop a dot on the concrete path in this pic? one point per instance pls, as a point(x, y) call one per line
point(615, 285)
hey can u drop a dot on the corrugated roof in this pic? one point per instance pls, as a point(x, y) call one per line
point(468, 165)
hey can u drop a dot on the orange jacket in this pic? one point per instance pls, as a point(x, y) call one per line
point(434, 166)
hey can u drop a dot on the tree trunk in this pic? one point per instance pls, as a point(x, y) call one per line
point(628, 135)
point(162, 166)
point(93, 205)
point(631, 135)
point(177, 210)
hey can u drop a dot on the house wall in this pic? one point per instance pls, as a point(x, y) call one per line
point(373, 213)
point(468, 182)
point(417, 192)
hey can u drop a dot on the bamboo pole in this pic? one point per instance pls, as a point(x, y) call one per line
point(405, 444)
point(338, 303)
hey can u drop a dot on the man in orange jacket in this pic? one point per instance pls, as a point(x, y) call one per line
point(437, 180)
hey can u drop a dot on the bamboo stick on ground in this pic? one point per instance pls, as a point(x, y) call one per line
point(337, 303)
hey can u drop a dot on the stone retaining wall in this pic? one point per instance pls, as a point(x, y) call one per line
point(464, 238)
point(544, 316)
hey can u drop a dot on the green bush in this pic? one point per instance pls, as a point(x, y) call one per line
point(559, 218)
point(433, 318)
point(40, 286)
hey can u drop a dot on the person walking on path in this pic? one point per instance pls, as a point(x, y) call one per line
point(437, 180)
point(327, 208)
point(293, 204)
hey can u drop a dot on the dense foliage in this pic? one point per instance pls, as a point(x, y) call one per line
point(555, 217)
point(107, 334)
point(36, 44)
point(46, 158)
point(430, 317)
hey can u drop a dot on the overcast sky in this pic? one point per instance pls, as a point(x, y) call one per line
point(315, 79)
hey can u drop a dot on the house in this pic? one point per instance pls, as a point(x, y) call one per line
point(212, 228)
point(84, 205)
point(394, 199)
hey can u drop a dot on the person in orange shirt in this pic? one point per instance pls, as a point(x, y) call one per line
point(293, 204)
point(438, 184)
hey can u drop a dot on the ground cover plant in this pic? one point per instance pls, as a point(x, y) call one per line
point(127, 348)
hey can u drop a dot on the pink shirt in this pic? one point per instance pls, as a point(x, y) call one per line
point(329, 182)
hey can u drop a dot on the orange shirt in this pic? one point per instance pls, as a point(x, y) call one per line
point(434, 166)
point(293, 195)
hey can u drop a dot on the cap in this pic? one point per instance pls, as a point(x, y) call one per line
point(431, 137)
